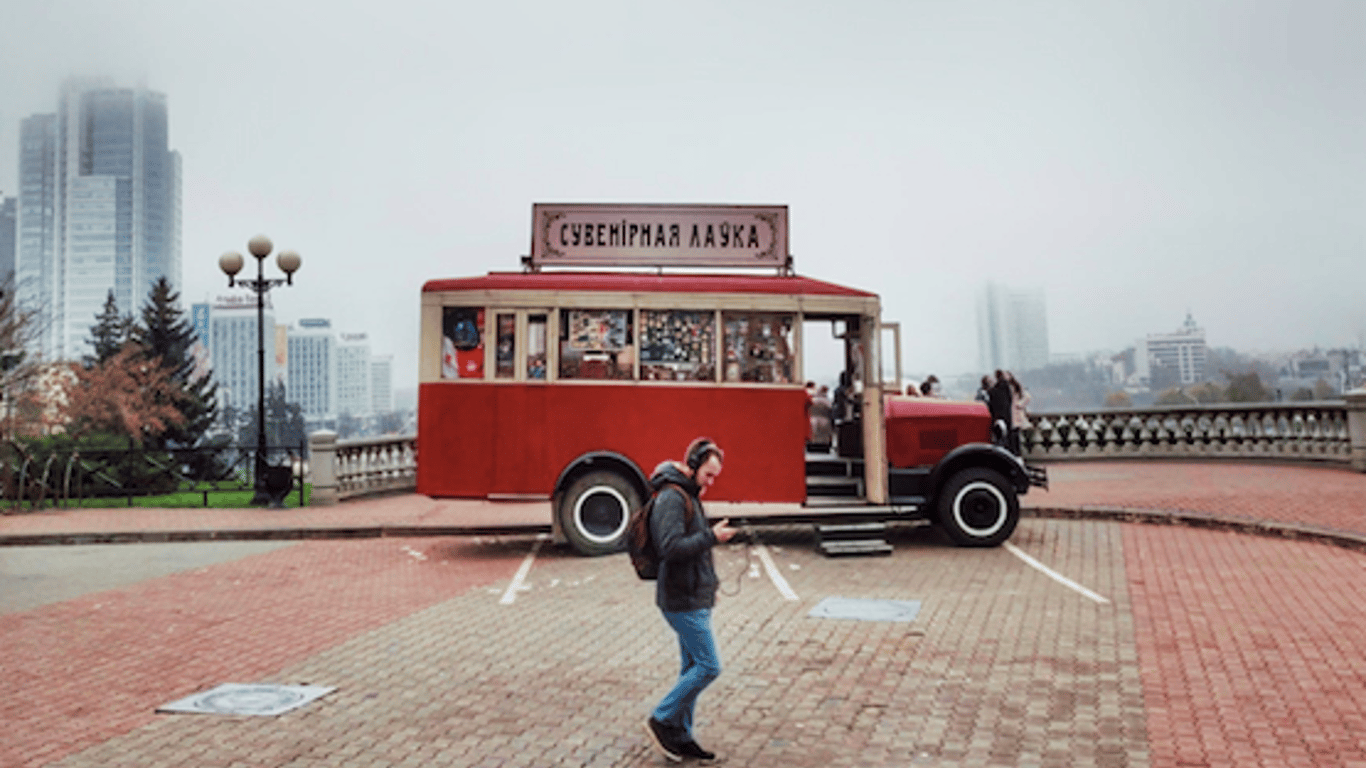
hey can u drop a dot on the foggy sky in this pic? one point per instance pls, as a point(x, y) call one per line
point(1135, 160)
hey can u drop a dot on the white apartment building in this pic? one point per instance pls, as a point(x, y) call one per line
point(353, 375)
point(381, 384)
point(312, 367)
point(233, 348)
point(1182, 353)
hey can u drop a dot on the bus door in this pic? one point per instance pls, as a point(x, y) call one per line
point(518, 365)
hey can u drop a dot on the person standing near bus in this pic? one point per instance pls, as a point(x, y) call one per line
point(685, 590)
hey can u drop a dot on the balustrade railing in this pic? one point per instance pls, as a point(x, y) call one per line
point(1316, 431)
point(342, 469)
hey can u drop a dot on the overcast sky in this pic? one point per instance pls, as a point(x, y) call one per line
point(1135, 160)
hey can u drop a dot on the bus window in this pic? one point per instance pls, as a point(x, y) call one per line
point(759, 346)
point(677, 345)
point(462, 343)
point(505, 356)
point(596, 344)
point(535, 347)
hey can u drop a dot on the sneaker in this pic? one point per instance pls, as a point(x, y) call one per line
point(691, 748)
point(662, 737)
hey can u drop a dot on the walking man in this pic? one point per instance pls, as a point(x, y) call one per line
point(685, 590)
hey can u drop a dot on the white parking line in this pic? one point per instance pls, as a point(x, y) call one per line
point(1054, 575)
point(516, 585)
point(773, 574)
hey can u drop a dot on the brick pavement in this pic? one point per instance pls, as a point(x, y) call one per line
point(1217, 650)
point(1003, 666)
point(77, 672)
point(1253, 650)
point(1323, 498)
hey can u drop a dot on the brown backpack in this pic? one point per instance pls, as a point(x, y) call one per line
point(641, 544)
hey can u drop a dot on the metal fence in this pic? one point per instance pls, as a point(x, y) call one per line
point(34, 476)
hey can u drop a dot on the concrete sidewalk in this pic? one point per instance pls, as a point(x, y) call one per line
point(1318, 503)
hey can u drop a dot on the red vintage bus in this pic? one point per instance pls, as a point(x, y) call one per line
point(570, 386)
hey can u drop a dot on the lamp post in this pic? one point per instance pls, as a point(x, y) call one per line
point(231, 263)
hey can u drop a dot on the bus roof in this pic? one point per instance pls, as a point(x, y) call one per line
point(632, 282)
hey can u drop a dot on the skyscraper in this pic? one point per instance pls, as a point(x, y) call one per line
point(99, 209)
point(8, 213)
point(1012, 329)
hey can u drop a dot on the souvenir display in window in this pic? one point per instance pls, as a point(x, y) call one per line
point(677, 345)
point(758, 346)
point(505, 367)
point(462, 343)
point(535, 347)
point(596, 344)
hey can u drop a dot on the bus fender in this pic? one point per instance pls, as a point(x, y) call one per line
point(603, 460)
point(980, 455)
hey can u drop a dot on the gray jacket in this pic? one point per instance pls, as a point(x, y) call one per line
point(687, 579)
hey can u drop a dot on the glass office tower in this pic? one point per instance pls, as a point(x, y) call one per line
point(99, 209)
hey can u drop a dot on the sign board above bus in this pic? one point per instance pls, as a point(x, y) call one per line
point(606, 235)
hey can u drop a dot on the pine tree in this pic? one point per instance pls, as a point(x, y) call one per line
point(109, 333)
point(164, 332)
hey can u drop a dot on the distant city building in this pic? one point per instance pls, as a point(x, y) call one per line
point(353, 375)
point(312, 379)
point(1012, 328)
point(201, 320)
point(326, 375)
point(234, 347)
point(9, 212)
point(98, 210)
point(381, 384)
point(1172, 359)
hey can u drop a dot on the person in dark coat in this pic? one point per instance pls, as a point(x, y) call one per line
point(998, 403)
point(685, 590)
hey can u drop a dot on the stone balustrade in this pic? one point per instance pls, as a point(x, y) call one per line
point(1331, 432)
point(342, 469)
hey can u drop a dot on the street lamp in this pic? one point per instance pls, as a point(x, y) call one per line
point(231, 263)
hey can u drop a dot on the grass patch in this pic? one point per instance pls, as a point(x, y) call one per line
point(200, 497)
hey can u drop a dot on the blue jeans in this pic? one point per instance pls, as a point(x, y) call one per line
point(701, 665)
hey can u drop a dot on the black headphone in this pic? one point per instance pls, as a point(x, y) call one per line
point(704, 449)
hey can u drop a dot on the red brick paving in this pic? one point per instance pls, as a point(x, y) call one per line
point(1317, 496)
point(1252, 650)
point(76, 673)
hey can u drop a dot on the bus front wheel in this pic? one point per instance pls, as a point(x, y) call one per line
point(978, 508)
point(594, 511)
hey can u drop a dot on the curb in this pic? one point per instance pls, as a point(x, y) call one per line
point(262, 534)
point(1256, 527)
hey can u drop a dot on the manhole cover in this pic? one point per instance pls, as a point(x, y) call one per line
point(239, 699)
point(866, 610)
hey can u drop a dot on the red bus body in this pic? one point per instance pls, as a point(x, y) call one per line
point(486, 439)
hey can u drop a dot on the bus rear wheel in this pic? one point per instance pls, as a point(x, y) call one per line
point(594, 511)
point(978, 508)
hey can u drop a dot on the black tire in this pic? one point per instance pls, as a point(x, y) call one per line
point(978, 508)
point(594, 511)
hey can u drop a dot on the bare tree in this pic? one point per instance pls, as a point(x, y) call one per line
point(20, 364)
